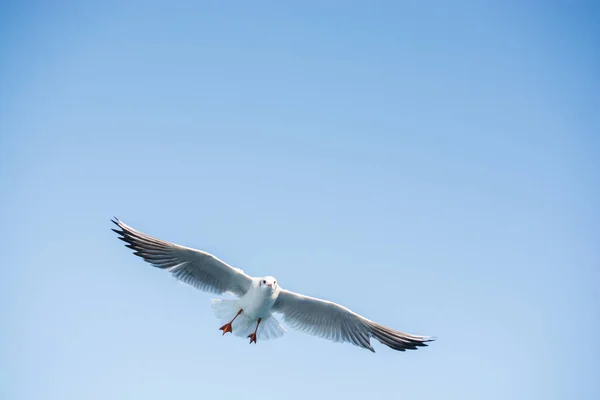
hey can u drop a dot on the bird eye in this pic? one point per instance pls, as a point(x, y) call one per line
point(275, 282)
point(264, 281)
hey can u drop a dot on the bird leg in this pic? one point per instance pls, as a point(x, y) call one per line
point(252, 336)
point(227, 327)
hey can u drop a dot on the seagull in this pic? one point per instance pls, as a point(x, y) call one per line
point(250, 314)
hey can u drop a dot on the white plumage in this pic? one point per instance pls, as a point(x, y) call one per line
point(225, 310)
point(251, 313)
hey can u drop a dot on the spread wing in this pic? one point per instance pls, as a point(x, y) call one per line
point(194, 267)
point(335, 322)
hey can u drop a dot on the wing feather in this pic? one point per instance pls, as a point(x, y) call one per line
point(337, 323)
point(194, 267)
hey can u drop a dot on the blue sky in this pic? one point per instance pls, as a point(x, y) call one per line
point(433, 167)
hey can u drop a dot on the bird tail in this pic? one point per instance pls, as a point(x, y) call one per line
point(397, 340)
point(270, 328)
point(226, 309)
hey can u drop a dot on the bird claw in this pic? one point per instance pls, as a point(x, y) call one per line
point(226, 328)
point(252, 337)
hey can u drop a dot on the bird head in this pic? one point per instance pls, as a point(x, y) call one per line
point(268, 283)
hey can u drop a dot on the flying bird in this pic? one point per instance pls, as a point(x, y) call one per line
point(250, 314)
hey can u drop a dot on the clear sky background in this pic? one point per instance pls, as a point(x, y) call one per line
point(433, 167)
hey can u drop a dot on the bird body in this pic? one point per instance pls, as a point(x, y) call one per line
point(251, 313)
point(259, 299)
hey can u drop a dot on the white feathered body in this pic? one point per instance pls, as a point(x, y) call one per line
point(256, 303)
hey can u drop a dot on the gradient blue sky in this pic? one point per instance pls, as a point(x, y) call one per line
point(433, 167)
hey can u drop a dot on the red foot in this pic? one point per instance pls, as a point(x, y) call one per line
point(226, 328)
point(252, 337)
